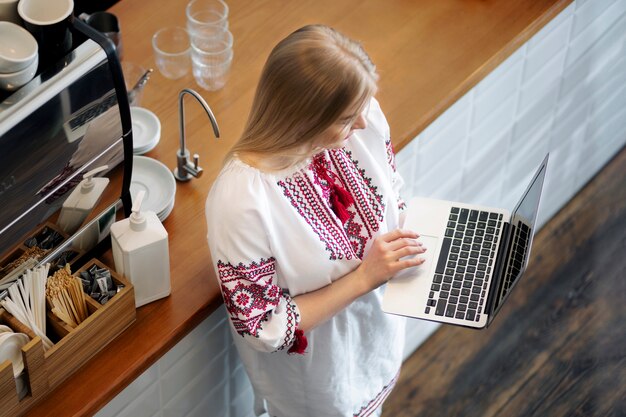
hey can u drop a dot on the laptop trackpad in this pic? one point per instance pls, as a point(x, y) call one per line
point(424, 270)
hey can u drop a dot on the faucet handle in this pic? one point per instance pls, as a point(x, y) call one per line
point(196, 159)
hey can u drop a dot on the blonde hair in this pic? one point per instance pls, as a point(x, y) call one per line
point(309, 80)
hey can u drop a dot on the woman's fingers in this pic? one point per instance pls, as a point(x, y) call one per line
point(408, 251)
point(398, 234)
point(403, 242)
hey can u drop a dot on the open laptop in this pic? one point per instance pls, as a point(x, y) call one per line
point(475, 256)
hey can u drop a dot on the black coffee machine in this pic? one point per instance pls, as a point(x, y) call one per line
point(72, 118)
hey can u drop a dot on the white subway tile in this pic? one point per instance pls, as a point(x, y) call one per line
point(524, 159)
point(147, 404)
point(487, 83)
point(243, 405)
point(536, 117)
point(545, 80)
point(208, 381)
point(195, 337)
point(438, 125)
point(603, 115)
point(554, 43)
point(131, 392)
point(587, 13)
point(497, 123)
point(503, 88)
point(544, 34)
point(610, 23)
point(450, 189)
point(572, 118)
point(207, 354)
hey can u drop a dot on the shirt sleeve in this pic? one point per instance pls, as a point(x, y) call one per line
point(258, 309)
point(377, 119)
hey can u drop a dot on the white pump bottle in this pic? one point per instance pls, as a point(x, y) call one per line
point(141, 253)
point(82, 200)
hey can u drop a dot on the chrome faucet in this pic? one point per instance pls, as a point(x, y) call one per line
point(185, 169)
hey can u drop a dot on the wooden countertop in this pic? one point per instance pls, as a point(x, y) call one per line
point(429, 53)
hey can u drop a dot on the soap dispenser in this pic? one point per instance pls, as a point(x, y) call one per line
point(82, 200)
point(141, 253)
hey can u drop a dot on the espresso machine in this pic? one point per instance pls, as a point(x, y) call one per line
point(66, 131)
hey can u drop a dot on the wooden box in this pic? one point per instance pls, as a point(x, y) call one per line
point(73, 348)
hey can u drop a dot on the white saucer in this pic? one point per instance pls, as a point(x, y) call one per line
point(146, 130)
point(11, 349)
point(157, 181)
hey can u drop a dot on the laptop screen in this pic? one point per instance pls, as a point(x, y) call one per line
point(522, 230)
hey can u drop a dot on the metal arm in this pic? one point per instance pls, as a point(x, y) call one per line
point(185, 169)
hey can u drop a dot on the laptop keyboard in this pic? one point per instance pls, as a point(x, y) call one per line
point(465, 263)
point(519, 246)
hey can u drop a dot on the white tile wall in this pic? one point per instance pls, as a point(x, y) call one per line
point(563, 91)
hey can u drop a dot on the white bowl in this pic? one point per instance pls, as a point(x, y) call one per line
point(13, 80)
point(18, 48)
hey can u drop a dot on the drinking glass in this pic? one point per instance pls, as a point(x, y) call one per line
point(207, 14)
point(211, 59)
point(171, 51)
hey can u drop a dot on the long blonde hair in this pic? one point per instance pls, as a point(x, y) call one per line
point(309, 80)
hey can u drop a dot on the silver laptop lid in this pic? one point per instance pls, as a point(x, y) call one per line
point(520, 236)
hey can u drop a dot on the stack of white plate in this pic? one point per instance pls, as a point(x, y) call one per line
point(11, 349)
point(158, 183)
point(18, 56)
point(146, 130)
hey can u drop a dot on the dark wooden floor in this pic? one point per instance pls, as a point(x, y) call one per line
point(558, 347)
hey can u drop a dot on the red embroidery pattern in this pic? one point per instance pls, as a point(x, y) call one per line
point(391, 159)
point(309, 200)
point(373, 405)
point(368, 203)
point(248, 293)
point(293, 318)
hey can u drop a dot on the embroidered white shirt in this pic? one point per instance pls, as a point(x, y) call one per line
point(275, 236)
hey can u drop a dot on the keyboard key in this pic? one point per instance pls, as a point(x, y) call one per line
point(467, 240)
point(457, 242)
point(459, 315)
point(474, 297)
point(450, 310)
point(479, 225)
point(469, 277)
point(467, 284)
point(454, 210)
point(462, 262)
point(441, 307)
point(431, 303)
point(490, 230)
point(476, 247)
point(478, 239)
point(470, 314)
point(453, 300)
point(484, 252)
point(443, 255)
point(456, 284)
point(471, 225)
point(465, 291)
point(483, 216)
point(437, 279)
point(458, 277)
point(469, 233)
point(493, 215)
point(471, 269)
point(463, 299)
point(473, 216)
point(488, 238)
point(443, 294)
point(427, 311)
point(460, 268)
point(492, 223)
point(476, 290)
point(431, 295)
point(481, 267)
point(473, 261)
point(460, 228)
point(480, 274)
point(466, 247)
point(435, 287)
point(453, 217)
point(456, 292)
point(472, 305)
point(451, 224)
point(474, 254)
point(464, 254)
point(449, 232)
point(455, 249)
point(478, 282)
point(449, 271)
point(480, 232)
point(461, 307)
point(451, 264)
point(447, 278)
point(483, 259)
point(463, 216)
point(446, 287)
point(458, 235)
point(455, 257)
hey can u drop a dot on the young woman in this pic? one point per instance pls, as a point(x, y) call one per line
point(303, 226)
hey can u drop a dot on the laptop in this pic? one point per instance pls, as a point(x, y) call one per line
point(476, 255)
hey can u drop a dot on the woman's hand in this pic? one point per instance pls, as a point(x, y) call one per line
point(384, 258)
